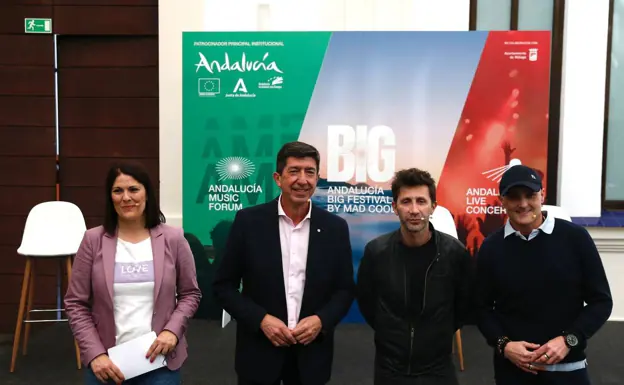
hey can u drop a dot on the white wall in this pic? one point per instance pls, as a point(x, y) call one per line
point(582, 106)
point(582, 131)
point(610, 243)
point(582, 109)
point(278, 15)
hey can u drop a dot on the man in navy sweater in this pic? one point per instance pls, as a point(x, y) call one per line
point(542, 290)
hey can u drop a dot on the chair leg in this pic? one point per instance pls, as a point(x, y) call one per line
point(69, 269)
point(460, 351)
point(20, 313)
point(29, 306)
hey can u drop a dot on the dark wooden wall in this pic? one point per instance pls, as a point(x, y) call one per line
point(108, 107)
point(27, 146)
point(108, 110)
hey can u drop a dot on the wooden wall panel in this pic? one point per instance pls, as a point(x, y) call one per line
point(105, 20)
point(109, 142)
point(28, 2)
point(15, 265)
point(18, 200)
point(27, 145)
point(25, 141)
point(27, 111)
point(94, 221)
point(109, 82)
point(28, 171)
point(27, 50)
point(90, 199)
point(12, 16)
point(26, 81)
point(106, 2)
point(45, 289)
point(11, 228)
point(108, 52)
point(85, 172)
point(108, 111)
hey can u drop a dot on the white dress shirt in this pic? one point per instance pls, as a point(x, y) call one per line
point(294, 245)
point(547, 227)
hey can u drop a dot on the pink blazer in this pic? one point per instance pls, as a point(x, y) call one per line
point(89, 298)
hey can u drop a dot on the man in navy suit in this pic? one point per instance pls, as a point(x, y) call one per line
point(295, 263)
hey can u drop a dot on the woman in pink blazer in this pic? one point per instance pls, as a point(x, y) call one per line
point(131, 276)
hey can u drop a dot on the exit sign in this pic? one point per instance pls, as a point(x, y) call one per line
point(37, 25)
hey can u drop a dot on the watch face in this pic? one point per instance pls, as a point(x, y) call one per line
point(571, 340)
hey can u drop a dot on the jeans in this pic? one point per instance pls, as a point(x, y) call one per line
point(161, 376)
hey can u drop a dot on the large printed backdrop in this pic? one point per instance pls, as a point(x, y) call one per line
point(462, 105)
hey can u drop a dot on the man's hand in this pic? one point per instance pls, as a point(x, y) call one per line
point(552, 352)
point(276, 331)
point(308, 329)
point(521, 354)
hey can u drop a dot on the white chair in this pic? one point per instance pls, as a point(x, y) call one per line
point(557, 212)
point(443, 221)
point(53, 230)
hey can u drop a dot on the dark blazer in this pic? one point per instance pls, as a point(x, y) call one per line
point(253, 254)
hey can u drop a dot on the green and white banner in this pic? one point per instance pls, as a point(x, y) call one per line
point(464, 106)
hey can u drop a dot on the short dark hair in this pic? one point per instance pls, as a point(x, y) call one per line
point(413, 177)
point(296, 150)
point(153, 215)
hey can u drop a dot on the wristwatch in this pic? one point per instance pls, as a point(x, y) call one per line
point(571, 340)
point(501, 343)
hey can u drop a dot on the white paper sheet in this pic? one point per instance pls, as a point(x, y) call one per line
point(130, 356)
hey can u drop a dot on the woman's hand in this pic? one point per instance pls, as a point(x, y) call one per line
point(164, 344)
point(104, 369)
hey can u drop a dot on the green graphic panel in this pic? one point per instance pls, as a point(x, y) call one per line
point(244, 95)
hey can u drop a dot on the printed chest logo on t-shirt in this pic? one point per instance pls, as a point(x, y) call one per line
point(134, 272)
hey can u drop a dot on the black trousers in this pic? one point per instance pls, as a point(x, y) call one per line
point(444, 375)
point(290, 371)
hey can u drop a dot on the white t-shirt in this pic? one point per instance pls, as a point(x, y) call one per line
point(133, 289)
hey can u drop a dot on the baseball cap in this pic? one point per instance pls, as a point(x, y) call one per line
point(519, 175)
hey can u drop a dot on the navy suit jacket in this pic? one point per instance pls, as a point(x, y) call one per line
point(253, 254)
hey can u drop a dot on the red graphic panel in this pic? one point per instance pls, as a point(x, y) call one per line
point(505, 120)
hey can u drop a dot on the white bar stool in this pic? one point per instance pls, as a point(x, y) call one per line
point(53, 230)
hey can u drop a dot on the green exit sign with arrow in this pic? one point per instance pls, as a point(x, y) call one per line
point(34, 25)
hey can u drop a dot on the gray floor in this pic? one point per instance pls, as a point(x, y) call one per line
point(50, 359)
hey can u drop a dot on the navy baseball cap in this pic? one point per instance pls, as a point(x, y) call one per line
point(519, 175)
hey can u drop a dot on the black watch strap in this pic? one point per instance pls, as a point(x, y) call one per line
point(571, 340)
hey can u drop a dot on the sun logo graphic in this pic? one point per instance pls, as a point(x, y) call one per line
point(496, 174)
point(234, 168)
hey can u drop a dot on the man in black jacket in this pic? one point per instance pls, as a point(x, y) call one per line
point(414, 289)
point(542, 289)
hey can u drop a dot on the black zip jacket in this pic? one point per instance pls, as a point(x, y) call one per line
point(413, 345)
